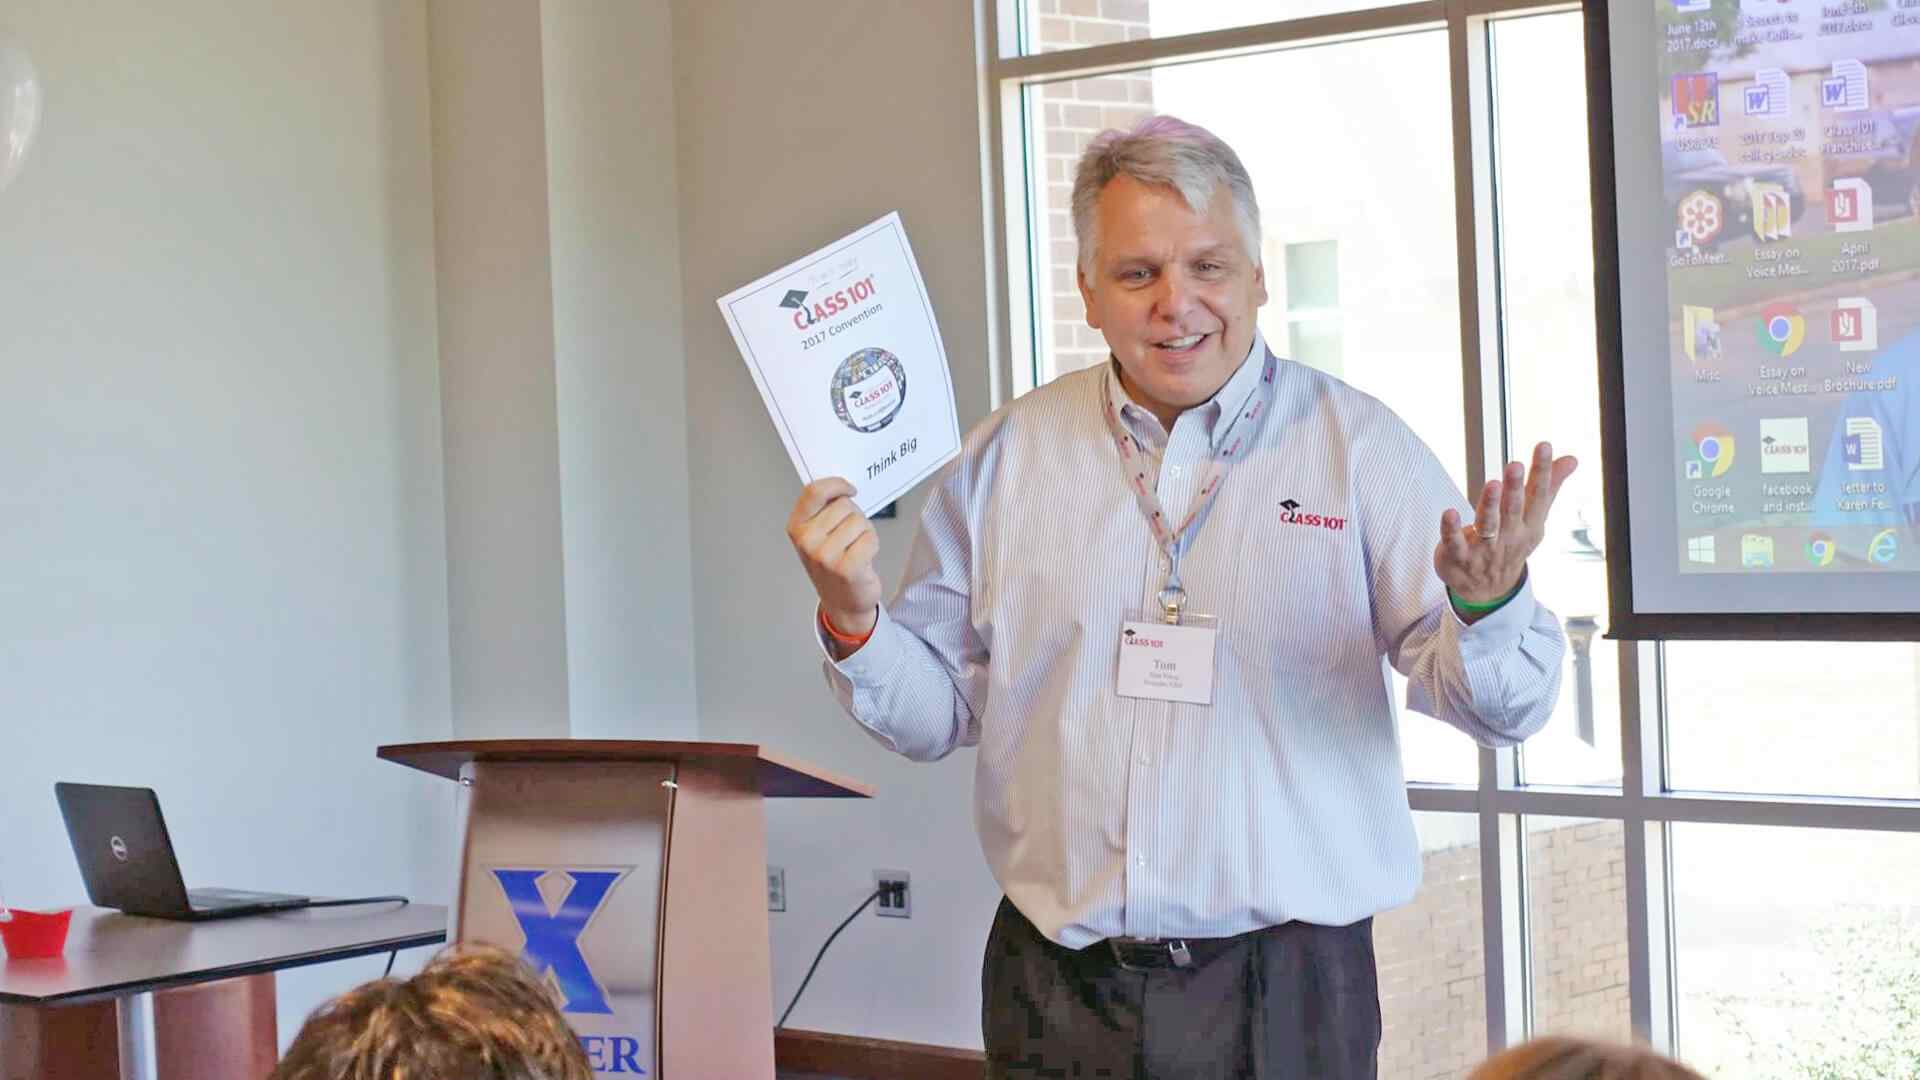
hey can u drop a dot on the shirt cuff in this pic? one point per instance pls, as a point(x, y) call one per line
point(872, 660)
point(1502, 624)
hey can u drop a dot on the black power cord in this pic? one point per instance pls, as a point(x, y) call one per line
point(875, 895)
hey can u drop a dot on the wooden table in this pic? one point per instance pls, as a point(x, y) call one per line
point(75, 1017)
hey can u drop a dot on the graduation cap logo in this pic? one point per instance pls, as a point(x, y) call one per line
point(1129, 633)
point(1289, 505)
point(794, 298)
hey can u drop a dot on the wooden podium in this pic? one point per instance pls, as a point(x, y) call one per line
point(634, 876)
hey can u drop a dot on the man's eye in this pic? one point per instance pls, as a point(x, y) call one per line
point(1137, 274)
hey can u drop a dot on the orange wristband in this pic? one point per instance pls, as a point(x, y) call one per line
point(844, 639)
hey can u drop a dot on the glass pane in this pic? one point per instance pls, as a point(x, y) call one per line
point(1797, 951)
point(1803, 718)
point(1388, 208)
point(1317, 343)
point(1577, 909)
point(1053, 25)
point(1546, 278)
point(1313, 275)
point(1433, 987)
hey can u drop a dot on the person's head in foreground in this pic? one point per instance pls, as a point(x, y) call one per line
point(474, 1013)
point(1561, 1058)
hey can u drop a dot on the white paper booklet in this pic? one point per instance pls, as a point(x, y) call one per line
point(845, 351)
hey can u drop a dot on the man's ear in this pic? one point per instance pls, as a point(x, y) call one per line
point(1260, 284)
point(1086, 297)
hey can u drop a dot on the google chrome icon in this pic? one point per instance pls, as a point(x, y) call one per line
point(1820, 549)
point(1782, 329)
point(1714, 445)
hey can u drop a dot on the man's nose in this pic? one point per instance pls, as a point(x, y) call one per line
point(1174, 298)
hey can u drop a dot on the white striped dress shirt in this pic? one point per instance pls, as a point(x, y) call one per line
point(1105, 816)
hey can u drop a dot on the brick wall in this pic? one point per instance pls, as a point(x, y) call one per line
point(1432, 972)
point(1433, 986)
point(1577, 876)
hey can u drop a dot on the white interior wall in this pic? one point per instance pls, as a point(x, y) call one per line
point(620, 368)
point(220, 442)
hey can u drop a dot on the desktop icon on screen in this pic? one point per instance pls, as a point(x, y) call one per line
point(1714, 446)
point(1782, 329)
point(1768, 95)
point(1820, 549)
point(1699, 219)
point(1860, 444)
point(1846, 89)
point(1700, 550)
point(1850, 205)
point(1784, 446)
point(1696, 100)
point(1772, 210)
point(1884, 547)
point(1855, 325)
point(1699, 334)
point(1756, 551)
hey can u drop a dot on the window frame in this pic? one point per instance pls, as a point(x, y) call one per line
point(1645, 803)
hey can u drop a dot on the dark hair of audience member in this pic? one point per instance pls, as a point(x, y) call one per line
point(474, 1013)
point(1564, 1058)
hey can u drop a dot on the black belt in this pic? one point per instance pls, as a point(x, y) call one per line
point(1152, 954)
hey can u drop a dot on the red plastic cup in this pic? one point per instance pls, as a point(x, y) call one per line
point(32, 935)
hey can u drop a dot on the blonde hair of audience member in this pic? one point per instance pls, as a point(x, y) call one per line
point(1562, 1058)
point(474, 1013)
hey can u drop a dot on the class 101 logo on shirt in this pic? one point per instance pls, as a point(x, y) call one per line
point(1292, 514)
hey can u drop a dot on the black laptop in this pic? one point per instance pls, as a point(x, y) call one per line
point(127, 861)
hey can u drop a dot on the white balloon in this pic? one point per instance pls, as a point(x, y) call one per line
point(19, 110)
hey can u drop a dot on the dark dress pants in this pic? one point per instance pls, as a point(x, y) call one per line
point(1290, 1002)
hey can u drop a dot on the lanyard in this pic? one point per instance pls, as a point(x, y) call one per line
point(1133, 461)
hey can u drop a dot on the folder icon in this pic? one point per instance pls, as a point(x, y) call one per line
point(1699, 334)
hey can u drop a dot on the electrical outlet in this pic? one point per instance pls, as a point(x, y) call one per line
point(896, 895)
point(776, 889)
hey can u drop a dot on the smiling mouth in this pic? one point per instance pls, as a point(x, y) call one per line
point(1180, 344)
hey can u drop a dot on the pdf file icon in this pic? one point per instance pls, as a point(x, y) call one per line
point(1850, 205)
point(1855, 325)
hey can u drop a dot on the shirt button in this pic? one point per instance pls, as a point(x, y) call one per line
point(1141, 861)
point(1174, 471)
point(1145, 760)
point(1165, 565)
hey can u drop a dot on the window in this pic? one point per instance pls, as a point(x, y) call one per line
point(1798, 951)
point(1710, 843)
point(1053, 25)
point(1312, 305)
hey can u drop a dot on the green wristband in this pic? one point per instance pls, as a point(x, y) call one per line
point(1481, 609)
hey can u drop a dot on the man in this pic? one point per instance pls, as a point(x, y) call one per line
point(1191, 858)
point(474, 1013)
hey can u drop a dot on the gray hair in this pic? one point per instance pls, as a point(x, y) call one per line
point(1168, 151)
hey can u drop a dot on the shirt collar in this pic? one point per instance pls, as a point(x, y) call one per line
point(1227, 402)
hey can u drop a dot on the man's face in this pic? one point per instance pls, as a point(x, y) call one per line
point(1174, 292)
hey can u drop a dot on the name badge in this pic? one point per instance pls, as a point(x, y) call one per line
point(1163, 662)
